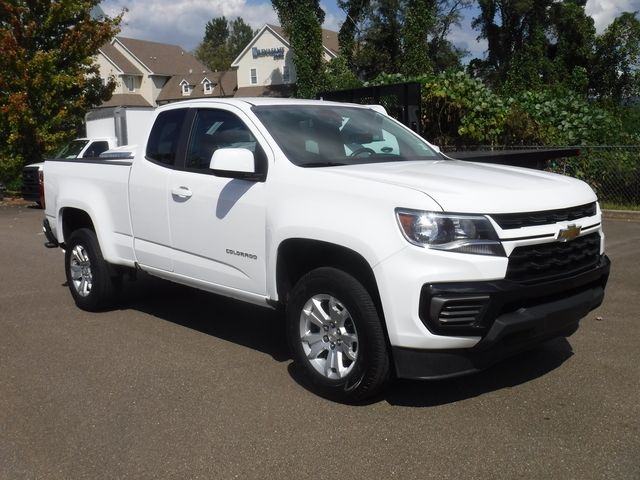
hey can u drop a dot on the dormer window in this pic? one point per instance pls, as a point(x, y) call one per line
point(130, 83)
point(186, 88)
point(207, 86)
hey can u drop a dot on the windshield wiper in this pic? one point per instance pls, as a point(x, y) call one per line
point(322, 164)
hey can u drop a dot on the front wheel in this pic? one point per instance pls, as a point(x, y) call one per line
point(336, 336)
point(88, 276)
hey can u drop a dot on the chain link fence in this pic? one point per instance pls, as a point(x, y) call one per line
point(612, 171)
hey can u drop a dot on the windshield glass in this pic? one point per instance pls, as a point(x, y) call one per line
point(332, 135)
point(72, 149)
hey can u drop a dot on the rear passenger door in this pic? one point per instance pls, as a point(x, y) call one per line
point(149, 194)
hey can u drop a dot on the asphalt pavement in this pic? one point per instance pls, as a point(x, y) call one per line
point(177, 383)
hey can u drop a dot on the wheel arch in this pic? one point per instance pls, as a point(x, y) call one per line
point(298, 256)
point(73, 219)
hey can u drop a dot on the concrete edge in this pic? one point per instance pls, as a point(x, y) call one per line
point(628, 215)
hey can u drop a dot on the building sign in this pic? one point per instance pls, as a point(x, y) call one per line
point(268, 52)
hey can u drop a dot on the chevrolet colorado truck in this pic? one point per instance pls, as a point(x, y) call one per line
point(387, 257)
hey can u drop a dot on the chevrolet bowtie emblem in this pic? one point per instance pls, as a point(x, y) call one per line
point(569, 233)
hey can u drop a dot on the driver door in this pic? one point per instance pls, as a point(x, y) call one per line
point(218, 224)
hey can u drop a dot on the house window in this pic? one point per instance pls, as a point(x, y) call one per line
point(254, 76)
point(208, 88)
point(186, 88)
point(129, 83)
point(286, 76)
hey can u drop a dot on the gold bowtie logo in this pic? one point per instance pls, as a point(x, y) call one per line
point(569, 233)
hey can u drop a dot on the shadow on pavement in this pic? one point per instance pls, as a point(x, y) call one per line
point(258, 328)
point(513, 371)
point(263, 330)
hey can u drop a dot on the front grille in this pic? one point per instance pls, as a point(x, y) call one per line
point(531, 219)
point(548, 261)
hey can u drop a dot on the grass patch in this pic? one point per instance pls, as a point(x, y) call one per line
point(619, 206)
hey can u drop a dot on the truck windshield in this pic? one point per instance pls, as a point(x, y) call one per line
point(333, 135)
point(72, 149)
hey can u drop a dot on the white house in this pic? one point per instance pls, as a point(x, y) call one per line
point(151, 73)
point(266, 68)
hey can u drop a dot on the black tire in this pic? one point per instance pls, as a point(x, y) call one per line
point(361, 377)
point(89, 277)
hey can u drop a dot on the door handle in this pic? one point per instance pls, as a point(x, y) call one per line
point(181, 192)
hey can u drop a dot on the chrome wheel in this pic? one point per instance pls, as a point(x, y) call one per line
point(80, 270)
point(328, 336)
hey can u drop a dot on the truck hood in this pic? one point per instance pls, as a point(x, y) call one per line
point(467, 187)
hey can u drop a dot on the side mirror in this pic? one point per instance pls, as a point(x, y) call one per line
point(234, 163)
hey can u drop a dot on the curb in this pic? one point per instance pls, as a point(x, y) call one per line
point(628, 215)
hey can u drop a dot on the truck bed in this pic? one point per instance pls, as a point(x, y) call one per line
point(100, 188)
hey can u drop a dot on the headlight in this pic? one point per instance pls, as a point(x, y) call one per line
point(441, 231)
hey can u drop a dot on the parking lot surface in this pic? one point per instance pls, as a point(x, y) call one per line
point(177, 383)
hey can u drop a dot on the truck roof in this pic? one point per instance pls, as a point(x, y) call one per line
point(256, 101)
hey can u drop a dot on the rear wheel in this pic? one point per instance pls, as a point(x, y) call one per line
point(336, 336)
point(88, 275)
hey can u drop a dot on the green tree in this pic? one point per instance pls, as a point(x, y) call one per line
point(222, 43)
point(380, 46)
point(301, 21)
point(617, 60)
point(408, 36)
point(515, 33)
point(239, 36)
point(418, 21)
point(572, 42)
point(355, 12)
point(48, 78)
point(443, 54)
point(338, 75)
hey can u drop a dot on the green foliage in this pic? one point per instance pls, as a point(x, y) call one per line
point(570, 119)
point(460, 110)
point(616, 72)
point(380, 47)
point(48, 79)
point(338, 76)
point(534, 43)
point(301, 21)
point(408, 36)
point(613, 172)
point(572, 52)
point(222, 43)
point(419, 19)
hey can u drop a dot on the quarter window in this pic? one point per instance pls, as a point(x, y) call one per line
point(165, 134)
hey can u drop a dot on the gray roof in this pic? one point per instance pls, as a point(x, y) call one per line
point(329, 38)
point(125, 100)
point(225, 84)
point(112, 53)
point(162, 58)
point(281, 91)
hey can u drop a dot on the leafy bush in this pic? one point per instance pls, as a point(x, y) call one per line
point(569, 118)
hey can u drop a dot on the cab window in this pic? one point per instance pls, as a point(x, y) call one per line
point(214, 129)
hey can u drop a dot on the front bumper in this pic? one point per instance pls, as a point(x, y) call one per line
point(514, 318)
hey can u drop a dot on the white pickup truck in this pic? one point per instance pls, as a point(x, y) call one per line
point(389, 258)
